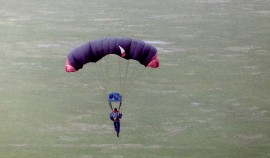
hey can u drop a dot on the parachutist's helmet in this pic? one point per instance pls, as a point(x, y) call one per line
point(115, 110)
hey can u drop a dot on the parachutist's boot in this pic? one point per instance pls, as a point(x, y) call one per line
point(117, 134)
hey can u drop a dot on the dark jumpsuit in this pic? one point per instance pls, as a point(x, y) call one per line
point(115, 117)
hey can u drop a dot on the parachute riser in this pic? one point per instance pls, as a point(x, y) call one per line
point(119, 107)
point(115, 97)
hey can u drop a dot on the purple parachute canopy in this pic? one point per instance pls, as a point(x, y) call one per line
point(126, 48)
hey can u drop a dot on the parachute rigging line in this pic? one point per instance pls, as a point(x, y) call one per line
point(124, 48)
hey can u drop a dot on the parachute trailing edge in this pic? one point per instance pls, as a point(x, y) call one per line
point(126, 48)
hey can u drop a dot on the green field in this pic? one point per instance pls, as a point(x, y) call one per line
point(209, 99)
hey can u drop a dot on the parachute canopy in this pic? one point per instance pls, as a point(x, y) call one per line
point(126, 48)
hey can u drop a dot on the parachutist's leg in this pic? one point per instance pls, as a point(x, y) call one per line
point(118, 127)
point(115, 126)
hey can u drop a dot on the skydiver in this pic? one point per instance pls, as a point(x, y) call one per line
point(115, 116)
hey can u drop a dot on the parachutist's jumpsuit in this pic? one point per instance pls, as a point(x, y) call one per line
point(115, 116)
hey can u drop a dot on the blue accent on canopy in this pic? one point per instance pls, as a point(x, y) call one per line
point(114, 97)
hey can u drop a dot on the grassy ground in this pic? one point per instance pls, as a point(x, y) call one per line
point(210, 97)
